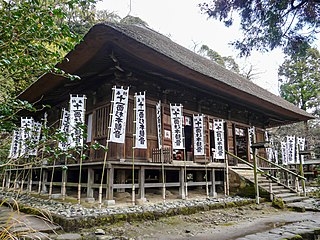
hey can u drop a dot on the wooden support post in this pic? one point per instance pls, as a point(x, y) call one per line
point(226, 183)
point(51, 180)
point(182, 183)
point(141, 183)
point(4, 180)
point(303, 183)
point(90, 182)
point(30, 179)
point(270, 190)
point(64, 180)
point(110, 173)
point(9, 179)
point(255, 172)
point(213, 192)
point(44, 180)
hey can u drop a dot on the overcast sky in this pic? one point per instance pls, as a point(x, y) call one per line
point(182, 21)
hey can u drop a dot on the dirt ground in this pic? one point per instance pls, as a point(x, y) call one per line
point(191, 226)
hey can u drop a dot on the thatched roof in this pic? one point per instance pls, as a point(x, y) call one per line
point(150, 46)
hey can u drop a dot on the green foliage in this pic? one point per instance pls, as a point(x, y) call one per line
point(299, 77)
point(267, 24)
point(35, 35)
point(227, 62)
point(133, 20)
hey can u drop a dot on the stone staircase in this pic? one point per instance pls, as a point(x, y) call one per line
point(288, 195)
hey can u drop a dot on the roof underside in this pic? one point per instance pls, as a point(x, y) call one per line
point(143, 51)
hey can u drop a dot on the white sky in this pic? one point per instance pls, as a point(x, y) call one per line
point(182, 21)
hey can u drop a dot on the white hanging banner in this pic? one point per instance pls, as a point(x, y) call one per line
point(15, 145)
point(119, 114)
point(77, 114)
point(284, 153)
point(159, 125)
point(141, 127)
point(270, 151)
point(176, 126)
point(35, 138)
point(252, 138)
point(301, 144)
point(291, 149)
point(26, 130)
point(64, 129)
point(276, 159)
point(198, 135)
point(219, 138)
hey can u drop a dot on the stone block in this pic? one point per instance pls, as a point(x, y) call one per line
point(109, 202)
point(89, 200)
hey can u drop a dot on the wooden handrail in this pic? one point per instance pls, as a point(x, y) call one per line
point(278, 166)
point(251, 165)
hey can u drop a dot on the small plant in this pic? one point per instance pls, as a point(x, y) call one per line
point(278, 203)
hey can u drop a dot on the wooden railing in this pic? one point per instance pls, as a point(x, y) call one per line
point(287, 177)
point(262, 172)
point(156, 155)
point(277, 173)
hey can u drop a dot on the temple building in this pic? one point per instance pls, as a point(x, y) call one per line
point(140, 60)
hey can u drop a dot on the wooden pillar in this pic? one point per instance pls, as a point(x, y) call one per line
point(182, 191)
point(90, 182)
point(64, 173)
point(44, 180)
point(109, 190)
point(213, 192)
point(141, 194)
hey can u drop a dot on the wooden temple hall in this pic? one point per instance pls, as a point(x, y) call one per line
point(142, 60)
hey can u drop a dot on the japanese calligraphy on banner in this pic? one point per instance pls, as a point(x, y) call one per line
point(119, 114)
point(64, 129)
point(35, 138)
point(176, 126)
point(198, 135)
point(284, 153)
point(291, 149)
point(252, 138)
point(219, 138)
point(141, 129)
point(26, 131)
point(301, 144)
point(159, 124)
point(77, 114)
point(15, 145)
point(270, 151)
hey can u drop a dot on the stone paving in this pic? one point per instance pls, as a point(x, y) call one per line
point(283, 226)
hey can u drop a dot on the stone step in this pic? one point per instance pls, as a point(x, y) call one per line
point(293, 199)
point(285, 195)
point(279, 191)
